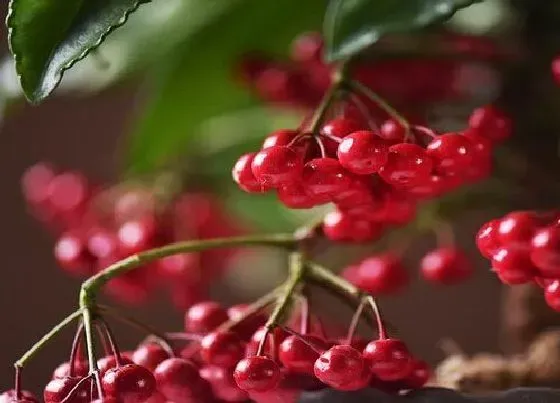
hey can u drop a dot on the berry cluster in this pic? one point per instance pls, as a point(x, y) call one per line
point(524, 247)
point(234, 364)
point(98, 226)
point(374, 177)
point(302, 81)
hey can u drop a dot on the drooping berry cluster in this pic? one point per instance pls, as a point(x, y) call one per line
point(97, 226)
point(524, 247)
point(375, 178)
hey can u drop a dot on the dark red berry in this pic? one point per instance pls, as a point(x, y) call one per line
point(555, 68)
point(491, 123)
point(552, 295)
point(130, 383)
point(59, 389)
point(299, 355)
point(221, 348)
point(388, 359)
point(149, 355)
point(447, 265)
point(516, 229)
point(452, 153)
point(339, 366)
point(277, 166)
point(513, 266)
point(382, 274)
point(545, 251)
point(407, 165)
point(223, 384)
point(363, 152)
point(324, 178)
point(392, 131)
point(106, 363)
point(487, 239)
point(243, 175)
point(179, 381)
point(204, 317)
point(257, 373)
point(419, 375)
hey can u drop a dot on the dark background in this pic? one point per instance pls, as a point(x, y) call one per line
point(85, 134)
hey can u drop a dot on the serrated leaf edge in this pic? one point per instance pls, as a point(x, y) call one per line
point(37, 98)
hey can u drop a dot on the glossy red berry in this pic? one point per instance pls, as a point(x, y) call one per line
point(223, 384)
point(298, 356)
point(338, 128)
point(343, 227)
point(552, 295)
point(513, 266)
point(9, 396)
point(545, 251)
point(339, 366)
point(204, 317)
point(104, 364)
point(277, 166)
point(282, 137)
point(59, 389)
point(388, 359)
point(136, 235)
point(257, 373)
point(72, 255)
point(130, 383)
point(419, 375)
point(363, 152)
point(179, 380)
point(446, 265)
point(430, 187)
point(149, 355)
point(487, 238)
point(491, 123)
point(324, 178)
point(252, 347)
point(516, 229)
point(392, 131)
point(80, 369)
point(407, 165)
point(295, 196)
point(221, 348)
point(382, 274)
point(452, 153)
point(243, 175)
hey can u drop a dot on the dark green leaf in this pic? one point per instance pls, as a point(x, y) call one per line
point(48, 37)
point(198, 84)
point(352, 25)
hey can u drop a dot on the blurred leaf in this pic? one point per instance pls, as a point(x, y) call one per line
point(48, 37)
point(197, 83)
point(352, 25)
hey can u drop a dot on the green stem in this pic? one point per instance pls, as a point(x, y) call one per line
point(327, 278)
point(364, 90)
point(46, 338)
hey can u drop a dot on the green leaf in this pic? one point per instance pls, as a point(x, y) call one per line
point(48, 37)
point(196, 83)
point(350, 26)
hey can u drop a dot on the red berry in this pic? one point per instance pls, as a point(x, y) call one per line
point(487, 239)
point(204, 317)
point(223, 384)
point(513, 266)
point(307, 48)
point(252, 347)
point(294, 196)
point(516, 229)
point(297, 356)
point(35, 183)
point(545, 251)
point(452, 153)
point(362, 152)
point(129, 383)
point(59, 389)
point(338, 128)
point(392, 131)
point(282, 137)
point(389, 359)
point(179, 381)
point(552, 295)
point(221, 348)
point(9, 396)
point(277, 166)
point(382, 274)
point(108, 362)
point(446, 265)
point(81, 369)
point(324, 178)
point(149, 355)
point(72, 255)
point(430, 187)
point(419, 375)
point(250, 324)
point(338, 366)
point(243, 175)
point(136, 235)
point(102, 243)
point(555, 67)
point(407, 165)
point(68, 191)
point(257, 373)
point(491, 123)
point(339, 226)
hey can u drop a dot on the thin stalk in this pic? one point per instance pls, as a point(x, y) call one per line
point(75, 346)
point(380, 325)
point(355, 320)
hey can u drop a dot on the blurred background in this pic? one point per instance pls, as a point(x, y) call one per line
point(88, 125)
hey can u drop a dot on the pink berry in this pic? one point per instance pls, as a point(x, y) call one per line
point(72, 255)
point(277, 166)
point(257, 373)
point(59, 389)
point(338, 366)
point(362, 152)
point(136, 235)
point(68, 191)
point(407, 165)
point(447, 265)
point(35, 183)
point(389, 359)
